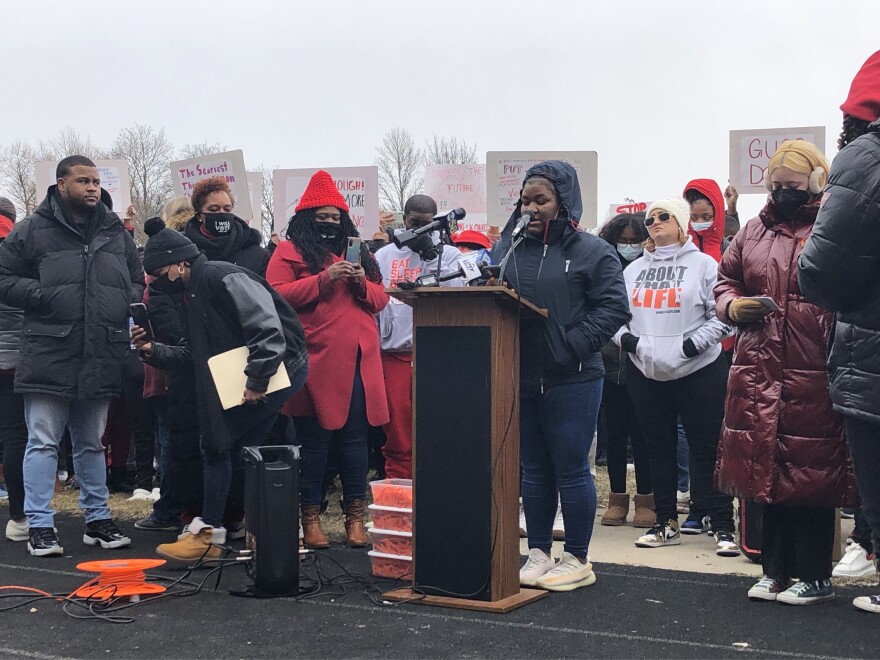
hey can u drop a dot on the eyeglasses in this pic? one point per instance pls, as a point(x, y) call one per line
point(662, 217)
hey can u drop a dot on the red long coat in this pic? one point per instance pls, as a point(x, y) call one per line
point(781, 441)
point(338, 319)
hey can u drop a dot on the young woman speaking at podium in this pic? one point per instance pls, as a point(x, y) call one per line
point(577, 277)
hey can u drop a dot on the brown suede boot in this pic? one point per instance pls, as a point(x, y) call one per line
point(355, 534)
point(313, 536)
point(644, 513)
point(617, 511)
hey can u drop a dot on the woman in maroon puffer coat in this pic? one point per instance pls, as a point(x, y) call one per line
point(781, 443)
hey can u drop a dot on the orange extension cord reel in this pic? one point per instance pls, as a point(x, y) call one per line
point(118, 578)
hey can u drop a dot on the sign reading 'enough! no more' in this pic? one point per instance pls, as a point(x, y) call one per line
point(751, 150)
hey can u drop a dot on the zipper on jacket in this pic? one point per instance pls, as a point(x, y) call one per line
point(619, 364)
point(541, 385)
point(541, 265)
point(567, 264)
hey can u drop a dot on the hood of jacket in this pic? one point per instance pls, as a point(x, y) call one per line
point(565, 179)
point(709, 241)
point(50, 207)
point(222, 248)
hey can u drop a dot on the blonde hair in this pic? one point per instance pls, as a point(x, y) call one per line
point(802, 157)
point(177, 212)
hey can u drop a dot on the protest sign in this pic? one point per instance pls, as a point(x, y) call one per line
point(358, 185)
point(229, 165)
point(255, 192)
point(751, 150)
point(114, 179)
point(459, 186)
point(627, 207)
point(505, 171)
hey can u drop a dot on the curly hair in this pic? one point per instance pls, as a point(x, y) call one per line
point(852, 128)
point(303, 233)
point(612, 229)
point(207, 187)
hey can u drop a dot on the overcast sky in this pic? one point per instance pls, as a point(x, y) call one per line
point(654, 87)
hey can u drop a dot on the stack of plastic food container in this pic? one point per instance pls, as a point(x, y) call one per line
point(392, 531)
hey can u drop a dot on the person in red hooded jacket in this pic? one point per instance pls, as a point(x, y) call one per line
point(345, 391)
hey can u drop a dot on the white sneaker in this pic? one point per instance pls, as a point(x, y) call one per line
point(17, 531)
point(857, 562)
point(660, 535)
point(140, 494)
point(155, 495)
point(535, 567)
point(568, 575)
point(558, 525)
point(683, 501)
point(522, 522)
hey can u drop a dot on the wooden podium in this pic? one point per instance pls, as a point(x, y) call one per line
point(466, 448)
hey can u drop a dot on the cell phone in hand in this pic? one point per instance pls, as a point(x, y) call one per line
point(141, 318)
point(353, 251)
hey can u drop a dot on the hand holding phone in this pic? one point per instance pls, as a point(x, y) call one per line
point(141, 318)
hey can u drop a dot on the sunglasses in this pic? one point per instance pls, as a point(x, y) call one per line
point(662, 217)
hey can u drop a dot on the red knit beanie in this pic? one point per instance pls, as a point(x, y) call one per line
point(321, 191)
point(863, 101)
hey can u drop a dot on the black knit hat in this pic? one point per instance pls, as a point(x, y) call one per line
point(166, 246)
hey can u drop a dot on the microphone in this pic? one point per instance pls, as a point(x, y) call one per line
point(449, 222)
point(524, 220)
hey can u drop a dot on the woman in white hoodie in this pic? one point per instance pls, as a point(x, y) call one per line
point(676, 369)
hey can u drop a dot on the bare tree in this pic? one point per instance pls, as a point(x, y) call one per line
point(148, 153)
point(400, 169)
point(70, 143)
point(18, 161)
point(449, 151)
point(201, 149)
point(267, 203)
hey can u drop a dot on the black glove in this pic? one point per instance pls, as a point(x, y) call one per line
point(689, 348)
point(628, 342)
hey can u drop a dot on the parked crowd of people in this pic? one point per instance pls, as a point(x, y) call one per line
point(727, 363)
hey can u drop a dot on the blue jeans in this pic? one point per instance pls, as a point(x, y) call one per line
point(556, 431)
point(46, 416)
point(348, 445)
point(166, 509)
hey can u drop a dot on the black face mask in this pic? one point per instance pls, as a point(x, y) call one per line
point(165, 285)
point(788, 201)
point(218, 224)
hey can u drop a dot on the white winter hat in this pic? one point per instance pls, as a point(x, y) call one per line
point(679, 209)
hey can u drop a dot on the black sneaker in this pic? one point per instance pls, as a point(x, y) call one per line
point(150, 524)
point(43, 542)
point(106, 533)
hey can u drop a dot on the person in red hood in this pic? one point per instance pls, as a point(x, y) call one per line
point(707, 216)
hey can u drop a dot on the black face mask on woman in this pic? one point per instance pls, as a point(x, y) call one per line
point(163, 284)
point(218, 224)
point(788, 201)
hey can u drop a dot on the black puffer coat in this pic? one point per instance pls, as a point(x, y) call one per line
point(75, 296)
point(839, 269)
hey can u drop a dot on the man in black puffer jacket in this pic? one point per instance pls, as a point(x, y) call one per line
point(839, 269)
point(74, 270)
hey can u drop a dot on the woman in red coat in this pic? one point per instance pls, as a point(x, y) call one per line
point(781, 443)
point(345, 391)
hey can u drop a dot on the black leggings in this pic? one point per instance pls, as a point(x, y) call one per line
point(698, 399)
point(13, 433)
point(620, 426)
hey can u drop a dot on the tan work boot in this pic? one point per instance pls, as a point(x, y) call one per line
point(313, 536)
point(644, 516)
point(195, 544)
point(618, 510)
point(356, 535)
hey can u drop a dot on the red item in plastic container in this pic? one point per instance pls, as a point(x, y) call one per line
point(391, 566)
point(389, 517)
point(392, 543)
point(393, 492)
